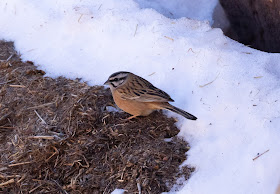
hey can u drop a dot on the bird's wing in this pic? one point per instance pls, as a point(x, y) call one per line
point(141, 90)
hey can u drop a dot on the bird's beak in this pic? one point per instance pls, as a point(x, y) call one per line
point(106, 83)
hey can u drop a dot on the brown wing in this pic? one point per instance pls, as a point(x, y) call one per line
point(141, 90)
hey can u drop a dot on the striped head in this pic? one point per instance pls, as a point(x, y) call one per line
point(117, 79)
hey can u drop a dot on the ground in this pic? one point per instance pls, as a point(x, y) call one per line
point(57, 135)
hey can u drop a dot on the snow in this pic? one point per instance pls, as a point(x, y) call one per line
point(118, 191)
point(198, 9)
point(232, 89)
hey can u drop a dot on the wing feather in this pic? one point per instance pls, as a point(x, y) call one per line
point(141, 90)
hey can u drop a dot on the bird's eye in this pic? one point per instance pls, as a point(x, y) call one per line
point(116, 79)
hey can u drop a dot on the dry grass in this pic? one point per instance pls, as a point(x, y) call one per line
point(56, 136)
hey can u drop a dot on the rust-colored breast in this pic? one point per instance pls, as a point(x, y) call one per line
point(134, 107)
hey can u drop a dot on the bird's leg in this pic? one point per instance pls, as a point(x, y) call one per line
point(129, 118)
point(133, 116)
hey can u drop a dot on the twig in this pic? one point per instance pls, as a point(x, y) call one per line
point(260, 155)
point(69, 122)
point(138, 186)
point(3, 168)
point(106, 188)
point(7, 182)
point(9, 176)
point(3, 127)
point(74, 179)
point(87, 164)
point(59, 186)
point(123, 173)
point(18, 164)
point(190, 49)
point(41, 137)
point(10, 57)
point(56, 152)
point(31, 50)
point(99, 7)
point(5, 116)
point(209, 82)
point(136, 29)
point(40, 106)
point(22, 178)
point(34, 189)
point(169, 38)
point(40, 117)
point(103, 119)
point(17, 86)
point(80, 18)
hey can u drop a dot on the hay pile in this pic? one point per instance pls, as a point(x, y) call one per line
point(56, 135)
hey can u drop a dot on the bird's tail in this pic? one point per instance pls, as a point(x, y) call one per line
point(179, 111)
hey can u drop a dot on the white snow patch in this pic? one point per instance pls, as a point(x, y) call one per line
point(198, 9)
point(118, 191)
point(112, 109)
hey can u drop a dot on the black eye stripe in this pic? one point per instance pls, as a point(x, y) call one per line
point(117, 79)
point(113, 80)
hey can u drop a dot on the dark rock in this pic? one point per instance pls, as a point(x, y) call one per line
point(254, 23)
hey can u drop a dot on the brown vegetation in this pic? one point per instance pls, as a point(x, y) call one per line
point(56, 135)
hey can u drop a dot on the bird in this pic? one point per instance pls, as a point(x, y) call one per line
point(138, 97)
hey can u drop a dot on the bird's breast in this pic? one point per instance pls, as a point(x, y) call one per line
point(133, 107)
